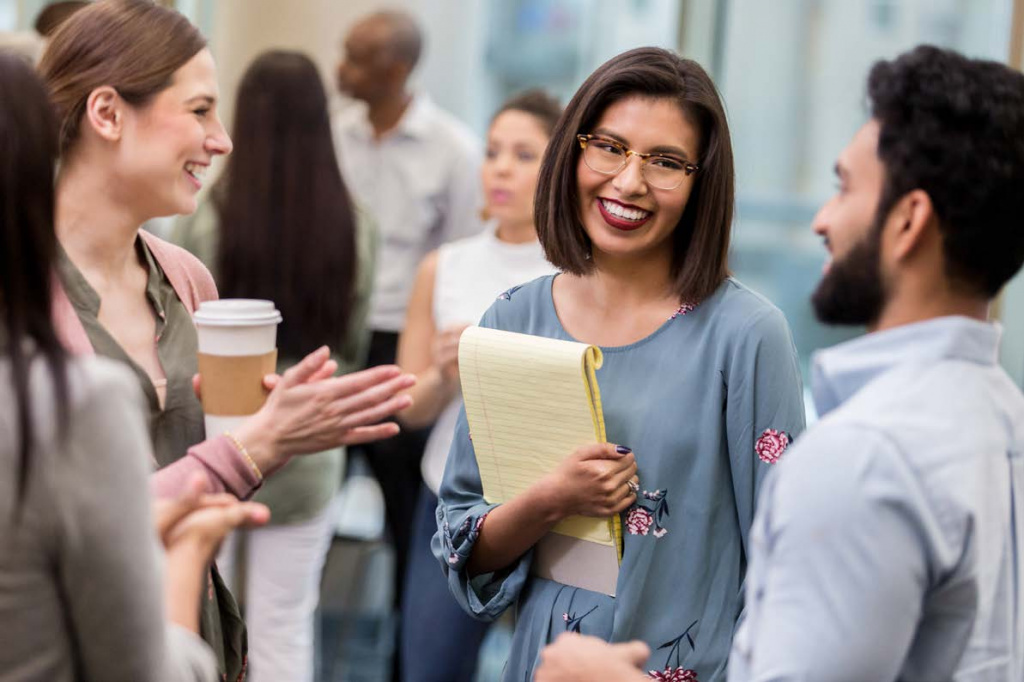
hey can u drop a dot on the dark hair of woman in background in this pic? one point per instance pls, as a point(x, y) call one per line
point(287, 222)
point(281, 225)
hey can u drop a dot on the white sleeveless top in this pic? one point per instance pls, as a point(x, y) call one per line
point(471, 274)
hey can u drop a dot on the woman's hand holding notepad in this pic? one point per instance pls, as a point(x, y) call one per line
point(531, 403)
point(593, 480)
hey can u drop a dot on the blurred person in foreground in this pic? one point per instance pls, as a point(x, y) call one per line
point(454, 287)
point(81, 571)
point(887, 545)
point(280, 224)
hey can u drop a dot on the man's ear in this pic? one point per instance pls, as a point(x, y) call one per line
point(914, 215)
point(104, 113)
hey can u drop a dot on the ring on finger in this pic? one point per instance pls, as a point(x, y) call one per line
point(633, 486)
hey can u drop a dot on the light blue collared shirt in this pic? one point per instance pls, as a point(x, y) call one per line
point(886, 543)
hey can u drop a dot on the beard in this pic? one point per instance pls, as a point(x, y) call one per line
point(852, 291)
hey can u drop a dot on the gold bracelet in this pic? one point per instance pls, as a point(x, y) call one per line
point(245, 453)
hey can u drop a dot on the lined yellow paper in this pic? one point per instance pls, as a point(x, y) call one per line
point(530, 402)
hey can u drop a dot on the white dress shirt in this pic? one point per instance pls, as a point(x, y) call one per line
point(421, 182)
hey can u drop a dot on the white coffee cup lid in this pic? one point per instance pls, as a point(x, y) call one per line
point(237, 312)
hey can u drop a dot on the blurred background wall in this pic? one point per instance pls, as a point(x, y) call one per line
point(791, 71)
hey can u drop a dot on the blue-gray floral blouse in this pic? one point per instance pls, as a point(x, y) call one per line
point(707, 402)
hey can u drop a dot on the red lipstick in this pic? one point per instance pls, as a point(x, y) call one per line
point(621, 223)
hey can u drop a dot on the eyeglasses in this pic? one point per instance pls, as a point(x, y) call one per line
point(608, 157)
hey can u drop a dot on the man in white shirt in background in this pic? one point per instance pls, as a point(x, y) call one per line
point(887, 543)
point(416, 169)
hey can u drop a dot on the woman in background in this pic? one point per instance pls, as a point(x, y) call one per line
point(136, 94)
point(454, 286)
point(700, 385)
point(80, 567)
point(281, 225)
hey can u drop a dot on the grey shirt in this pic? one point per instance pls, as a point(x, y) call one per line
point(81, 594)
point(886, 545)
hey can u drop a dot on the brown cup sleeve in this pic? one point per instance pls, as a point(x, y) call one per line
point(232, 385)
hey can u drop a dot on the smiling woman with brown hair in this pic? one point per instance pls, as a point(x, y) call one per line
point(80, 569)
point(700, 384)
point(136, 94)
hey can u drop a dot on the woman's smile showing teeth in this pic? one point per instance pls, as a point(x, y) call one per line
point(623, 216)
point(196, 172)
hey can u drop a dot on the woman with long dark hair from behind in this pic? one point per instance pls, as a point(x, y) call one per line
point(280, 224)
point(79, 560)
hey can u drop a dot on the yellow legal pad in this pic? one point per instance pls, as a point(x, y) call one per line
point(530, 402)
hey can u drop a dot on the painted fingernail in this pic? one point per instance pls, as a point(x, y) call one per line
point(622, 450)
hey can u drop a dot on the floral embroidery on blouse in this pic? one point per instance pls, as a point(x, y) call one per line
point(467, 534)
point(245, 664)
point(507, 296)
point(670, 675)
point(682, 310)
point(676, 673)
point(649, 513)
point(573, 622)
point(770, 446)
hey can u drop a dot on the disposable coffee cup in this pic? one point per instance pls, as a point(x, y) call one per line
point(237, 348)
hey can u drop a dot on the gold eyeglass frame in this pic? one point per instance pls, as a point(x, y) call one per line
point(688, 168)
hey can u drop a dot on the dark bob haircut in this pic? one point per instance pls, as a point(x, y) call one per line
point(701, 239)
point(954, 128)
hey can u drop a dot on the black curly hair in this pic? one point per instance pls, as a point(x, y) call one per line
point(954, 128)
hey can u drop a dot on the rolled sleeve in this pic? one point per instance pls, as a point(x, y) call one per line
point(219, 461)
point(461, 512)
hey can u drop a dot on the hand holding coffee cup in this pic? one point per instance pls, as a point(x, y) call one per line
point(237, 348)
point(307, 411)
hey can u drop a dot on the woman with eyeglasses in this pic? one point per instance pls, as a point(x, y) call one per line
point(700, 384)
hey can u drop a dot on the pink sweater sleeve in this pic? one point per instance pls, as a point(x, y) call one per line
point(224, 467)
